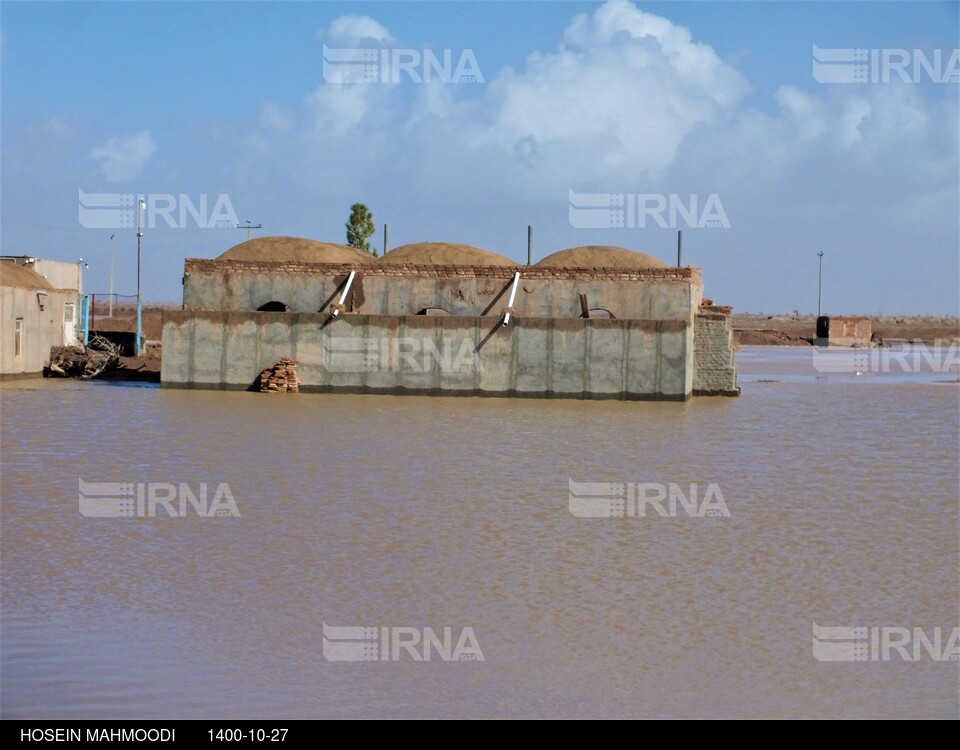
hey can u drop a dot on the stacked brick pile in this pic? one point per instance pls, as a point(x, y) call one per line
point(281, 378)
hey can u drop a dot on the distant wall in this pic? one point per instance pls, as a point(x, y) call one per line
point(40, 329)
point(714, 369)
point(653, 294)
point(537, 357)
point(839, 330)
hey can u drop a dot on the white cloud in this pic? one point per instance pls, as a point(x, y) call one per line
point(275, 118)
point(625, 84)
point(352, 31)
point(616, 97)
point(630, 102)
point(623, 101)
point(335, 110)
point(123, 157)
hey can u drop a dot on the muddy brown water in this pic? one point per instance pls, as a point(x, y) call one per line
point(393, 512)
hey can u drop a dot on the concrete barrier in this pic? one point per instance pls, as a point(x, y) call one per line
point(437, 355)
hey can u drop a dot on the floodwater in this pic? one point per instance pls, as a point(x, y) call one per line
point(833, 499)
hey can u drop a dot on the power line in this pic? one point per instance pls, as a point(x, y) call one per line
point(249, 227)
point(43, 226)
point(132, 231)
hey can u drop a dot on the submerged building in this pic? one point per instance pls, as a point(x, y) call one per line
point(40, 307)
point(445, 319)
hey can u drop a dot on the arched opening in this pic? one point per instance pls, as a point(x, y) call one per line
point(433, 311)
point(272, 306)
point(599, 312)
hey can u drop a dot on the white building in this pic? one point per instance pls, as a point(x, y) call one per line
point(40, 307)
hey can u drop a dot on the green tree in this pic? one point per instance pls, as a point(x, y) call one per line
point(360, 228)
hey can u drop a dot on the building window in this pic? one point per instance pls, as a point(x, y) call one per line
point(18, 338)
point(68, 312)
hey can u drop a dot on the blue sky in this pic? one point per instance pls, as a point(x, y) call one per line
point(682, 98)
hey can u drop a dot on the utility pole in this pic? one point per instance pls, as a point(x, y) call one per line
point(112, 238)
point(140, 207)
point(249, 227)
point(819, 282)
point(679, 247)
point(529, 244)
point(386, 235)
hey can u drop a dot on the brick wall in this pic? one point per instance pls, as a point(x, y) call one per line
point(714, 370)
point(654, 294)
point(845, 330)
point(439, 272)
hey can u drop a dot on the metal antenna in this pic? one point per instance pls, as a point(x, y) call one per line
point(249, 227)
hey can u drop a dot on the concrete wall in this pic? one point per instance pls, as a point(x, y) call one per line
point(41, 328)
point(537, 357)
point(655, 294)
point(714, 369)
point(61, 275)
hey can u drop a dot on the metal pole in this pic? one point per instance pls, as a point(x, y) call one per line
point(386, 234)
point(112, 243)
point(140, 206)
point(85, 311)
point(819, 282)
point(679, 247)
point(529, 244)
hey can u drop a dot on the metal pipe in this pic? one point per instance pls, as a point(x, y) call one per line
point(346, 291)
point(529, 244)
point(513, 294)
point(679, 247)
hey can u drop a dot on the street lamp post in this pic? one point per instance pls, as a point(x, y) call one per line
point(140, 207)
point(819, 282)
point(112, 238)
